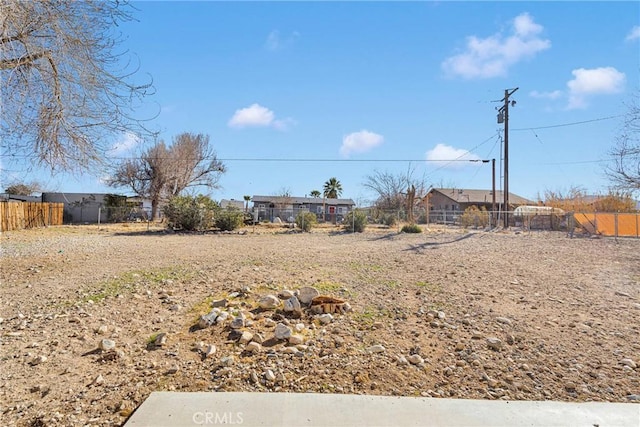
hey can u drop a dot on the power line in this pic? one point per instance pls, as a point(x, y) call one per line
point(570, 124)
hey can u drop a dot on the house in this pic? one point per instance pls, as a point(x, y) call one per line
point(235, 204)
point(286, 208)
point(78, 207)
point(445, 204)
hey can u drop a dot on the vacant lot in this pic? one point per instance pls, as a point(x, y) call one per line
point(460, 314)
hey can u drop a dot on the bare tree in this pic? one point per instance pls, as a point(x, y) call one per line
point(162, 172)
point(393, 190)
point(65, 85)
point(625, 170)
point(19, 188)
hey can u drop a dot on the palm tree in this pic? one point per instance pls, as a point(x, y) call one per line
point(332, 190)
point(315, 193)
point(246, 204)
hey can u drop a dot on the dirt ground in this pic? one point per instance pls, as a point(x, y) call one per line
point(94, 319)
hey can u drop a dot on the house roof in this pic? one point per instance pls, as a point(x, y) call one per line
point(239, 204)
point(301, 200)
point(464, 195)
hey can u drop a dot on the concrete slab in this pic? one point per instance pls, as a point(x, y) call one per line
point(310, 409)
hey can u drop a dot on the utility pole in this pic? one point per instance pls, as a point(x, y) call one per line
point(503, 116)
point(493, 191)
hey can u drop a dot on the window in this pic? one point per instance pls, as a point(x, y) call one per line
point(319, 209)
point(340, 210)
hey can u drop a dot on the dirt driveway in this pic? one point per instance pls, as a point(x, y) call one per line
point(94, 319)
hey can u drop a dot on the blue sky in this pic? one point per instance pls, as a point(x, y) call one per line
point(357, 84)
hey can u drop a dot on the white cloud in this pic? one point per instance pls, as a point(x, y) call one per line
point(443, 155)
point(360, 142)
point(492, 56)
point(595, 81)
point(634, 34)
point(258, 116)
point(276, 42)
point(546, 95)
point(125, 144)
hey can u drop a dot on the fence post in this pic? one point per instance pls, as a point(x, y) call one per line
point(615, 224)
point(99, 213)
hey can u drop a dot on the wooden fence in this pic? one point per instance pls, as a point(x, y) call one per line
point(21, 215)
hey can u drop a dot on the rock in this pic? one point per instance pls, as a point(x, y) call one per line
point(269, 375)
point(633, 397)
point(268, 302)
point(38, 360)
point(98, 380)
point(106, 345)
point(636, 305)
point(299, 327)
point(282, 331)
point(102, 329)
point(377, 348)
point(292, 305)
point(290, 350)
point(296, 339)
point(476, 335)
point(494, 343)
point(219, 303)
point(160, 340)
point(628, 362)
point(224, 315)
point(503, 320)
point(441, 315)
point(245, 337)
point(209, 350)
point(227, 361)
point(402, 360)
point(307, 294)
point(285, 294)
point(415, 359)
point(259, 338)
point(253, 347)
point(238, 322)
point(207, 320)
point(269, 323)
point(325, 319)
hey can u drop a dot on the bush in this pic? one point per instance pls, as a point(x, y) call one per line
point(475, 217)
point(229, 219)
point(388, 219)
point(190, 213)
point(355, 221)
point(411, 228)
point(306, 220)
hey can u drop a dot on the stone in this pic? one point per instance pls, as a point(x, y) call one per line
point(494, 343)
point(415, 359)
point(307, 294)
point(208, 319)
point(224, 315)
point(441, 315)
point(227, 361)
point(269, 375)
point(160, 340)
point(299, 327)
point(628, 362)
point(325, 319)
point(285, 294)
point(219, 303)
point(38, 360)
point(245, 337)
point(259, 338)
point(102, 329)
point(503, 320)
point(98, 380)
point(268, 302)
point(209, 350)
point(282, 331)
point(296, 339)
point(238, 322)
point(292, 305)
point(253, 347)
point(402, 360)
point(106, 345)
point(377, 348)
point(633, 397)
point(290, 350)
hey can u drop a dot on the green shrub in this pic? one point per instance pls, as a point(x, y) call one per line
point(475, 217)
point(389, 219)
point(190, 213)
point(229, 219)
point(411, 228)
point(306, 220)
point(355, 221)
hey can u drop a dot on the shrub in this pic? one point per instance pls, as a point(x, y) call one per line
point(190, 213)
point(411, 228)
point(306, 220)
point(355, 221)
point(473, 216)
point(388, 219)
point(229, 219)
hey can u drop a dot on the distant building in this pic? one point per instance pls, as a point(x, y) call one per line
point(237, 204)
point(286, 208)
point(79, 208)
